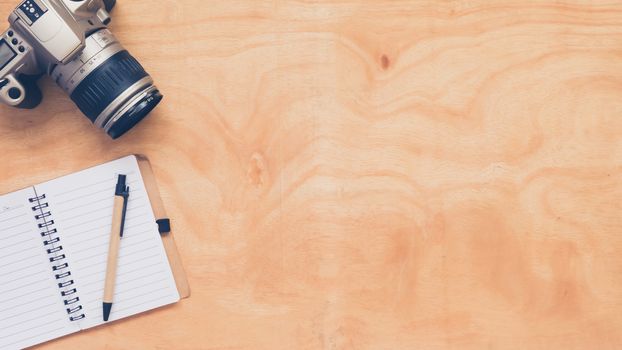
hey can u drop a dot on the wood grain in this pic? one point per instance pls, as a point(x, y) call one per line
point(368, 175)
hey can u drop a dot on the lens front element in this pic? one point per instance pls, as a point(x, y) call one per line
point(135, 111)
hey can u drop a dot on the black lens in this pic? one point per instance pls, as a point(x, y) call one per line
point(120, 75)
point(135, 114)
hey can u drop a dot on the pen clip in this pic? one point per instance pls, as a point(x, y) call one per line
point(125, 194)
point(122, 190)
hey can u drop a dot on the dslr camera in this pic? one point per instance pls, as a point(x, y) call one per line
point(69, 41)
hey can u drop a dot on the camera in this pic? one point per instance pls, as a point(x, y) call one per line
point(69, 41)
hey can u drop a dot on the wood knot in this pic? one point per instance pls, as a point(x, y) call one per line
point(257, 170)
point(385, 62)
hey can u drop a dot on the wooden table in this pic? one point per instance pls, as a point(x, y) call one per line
point(368, 174)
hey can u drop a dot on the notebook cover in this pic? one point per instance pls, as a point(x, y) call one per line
point(174, 258)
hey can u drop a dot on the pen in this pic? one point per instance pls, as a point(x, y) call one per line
point(121, 195)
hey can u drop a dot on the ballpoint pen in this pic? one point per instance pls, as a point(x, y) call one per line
point(121, 193)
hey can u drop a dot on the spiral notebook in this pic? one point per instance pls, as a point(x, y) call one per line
point(53, 251)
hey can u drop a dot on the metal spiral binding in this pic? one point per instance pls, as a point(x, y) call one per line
point(54, 249)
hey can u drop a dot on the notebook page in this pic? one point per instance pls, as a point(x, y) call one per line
point(31, 309)
point(81, 205)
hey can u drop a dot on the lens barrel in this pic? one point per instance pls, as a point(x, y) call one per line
point(108, 84)
point(111, 80)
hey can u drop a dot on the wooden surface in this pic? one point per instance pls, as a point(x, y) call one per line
point(368, 174)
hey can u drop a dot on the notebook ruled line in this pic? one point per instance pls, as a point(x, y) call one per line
point(10, 208)
point(12, 274)
point(128, 271)
point(121, 256)
point(16, 234)
point(13, 218)
point(129, 237)
point(129, 227)
point(17, 243)
point(23, 277)
point(13, 262)
point(30, 301)
point(33, 336)
point(6, 256)
point(91, 185)
point(21, 224)
point(79, 188)
point(22, 286)
point(152, 291)
point(76, 233)
point(143, 277)
point(146, 302)
point(25, 321)
point(159, 272)
point(105, 226)
point(126, 262)
point(13, 300)
point(24, 311)
point(148, 258)
point(102, 209)
point(94, 220)
point(23, 295)
point(73, 199)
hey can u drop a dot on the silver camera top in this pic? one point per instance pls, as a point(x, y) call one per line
point(44, 33)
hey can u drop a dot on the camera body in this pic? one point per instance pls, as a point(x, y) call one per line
point(69, 41)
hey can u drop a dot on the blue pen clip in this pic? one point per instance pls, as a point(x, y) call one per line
point(123, 191)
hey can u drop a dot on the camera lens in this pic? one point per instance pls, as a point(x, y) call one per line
point(111, 89)
point(108, 85)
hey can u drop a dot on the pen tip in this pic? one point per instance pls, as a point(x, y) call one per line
point(107, 308)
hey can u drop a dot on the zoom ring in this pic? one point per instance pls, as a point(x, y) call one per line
point(107, 82)
point(54, 249)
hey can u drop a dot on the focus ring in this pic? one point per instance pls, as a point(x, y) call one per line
point(106, 83)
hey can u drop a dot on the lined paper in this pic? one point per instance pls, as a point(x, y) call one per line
point(31, 309)
point(81, 206)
